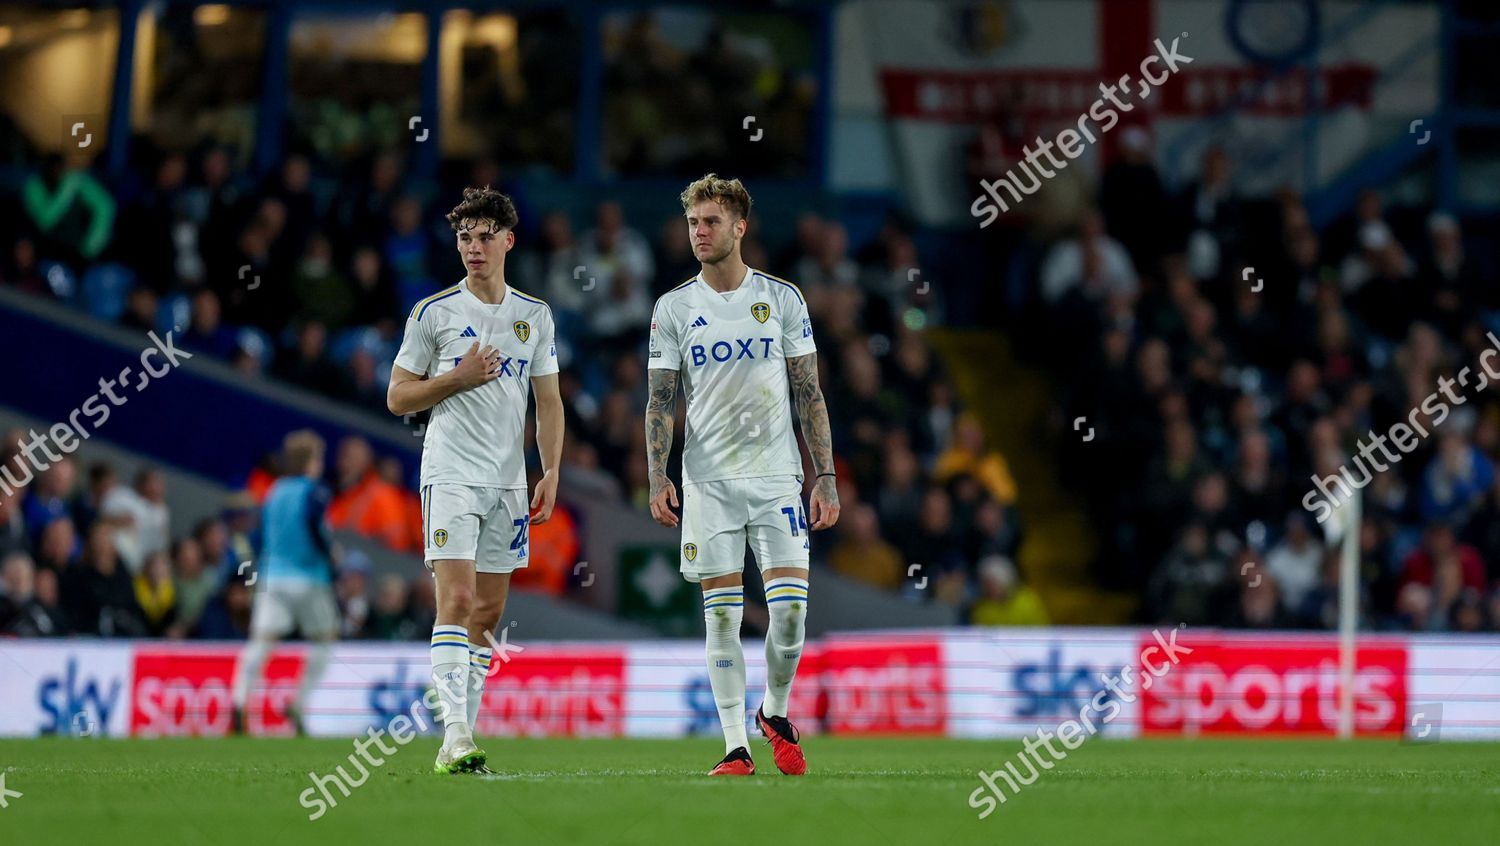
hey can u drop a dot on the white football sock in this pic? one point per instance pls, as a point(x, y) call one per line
point(723, 611)
point(450, 677)
point(314, 662)
point(247, 672)
point(786, 600)
point(479, 670)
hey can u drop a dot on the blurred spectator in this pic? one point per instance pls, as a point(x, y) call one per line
point(1211, 215)
point(213, 542)
point(1190, 586)
point(363, 502)
point(1002, 600)
point(29, 600)
point(195, 586)
point(308, 364)
point(827, 263)
point(321, 293)
point(375, 300)
point(1093, 266)
point(620, 259)
point(861, 554)
point(17, 578)
point(1259, 606)
point(58, 546)
point(100, 596)
point(227, 614)
point(409, 250)
point(935, 542)
point(1450, 277)
point(968, 454)
point(392, 473)
point(147, 230)
point(89, 506)
point(1133, 201)
point(1296, 562)
point(388, 619)
point(206, 331)
point(352, 590)
point(140, 517)
point(553, 549)
point(1443, 561)
point(156, 594)
point(50, 497)
point(21, 271)
point(1456, 479)
point(13, 534)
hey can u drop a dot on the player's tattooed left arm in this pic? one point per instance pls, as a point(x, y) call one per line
point(812, 410)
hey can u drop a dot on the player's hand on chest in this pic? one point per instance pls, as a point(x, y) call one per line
point(515, 340)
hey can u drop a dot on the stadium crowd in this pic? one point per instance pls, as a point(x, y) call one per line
point(1228, 352)
point(306, 277)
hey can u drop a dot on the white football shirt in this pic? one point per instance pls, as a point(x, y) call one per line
point(731, 350)
point(475, 436)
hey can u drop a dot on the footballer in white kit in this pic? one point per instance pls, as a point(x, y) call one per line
point(740, 342)
point(473, 354)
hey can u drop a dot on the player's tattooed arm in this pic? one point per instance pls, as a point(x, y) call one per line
point(661, 419)
point(812, 410)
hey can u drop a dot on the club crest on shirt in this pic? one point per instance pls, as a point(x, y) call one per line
point(761, 312)
point(440, 537)
point(690, 551)
point(523, 330)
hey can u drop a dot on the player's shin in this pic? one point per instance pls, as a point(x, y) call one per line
point(786, 600)
point(723, 611)
point(450, 677)
point(247, 672)
point(314, 665)
point(479, 670)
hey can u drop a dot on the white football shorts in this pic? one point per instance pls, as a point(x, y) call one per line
point(718, 518)
point(286, 604)
point(489, 526)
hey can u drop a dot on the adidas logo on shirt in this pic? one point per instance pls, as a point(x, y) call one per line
point(700, 321)
point(468, 333)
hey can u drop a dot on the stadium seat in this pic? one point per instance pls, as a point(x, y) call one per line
point(105, 287)
point(60, 279)
point(172, 312)
point(256, 343)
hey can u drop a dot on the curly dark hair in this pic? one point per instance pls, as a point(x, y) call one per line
point(484, 204)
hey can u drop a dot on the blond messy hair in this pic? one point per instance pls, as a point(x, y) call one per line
point(729, 193)
point(300, 448)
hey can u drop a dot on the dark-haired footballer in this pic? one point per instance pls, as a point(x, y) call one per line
point(472, 354)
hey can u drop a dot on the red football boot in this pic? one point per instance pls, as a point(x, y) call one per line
point(784, 742)
point(736, 763)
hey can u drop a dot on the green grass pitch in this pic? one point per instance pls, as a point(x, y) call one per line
point(1263, 792)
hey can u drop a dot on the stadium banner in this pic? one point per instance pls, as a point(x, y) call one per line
point(1275, 683)
point(1453, 688)
point(938, 72)
point(883, 684)
point(1011, 682)
point(62, 687)
point(668, 695)
point(972, 683)
point(185, 691)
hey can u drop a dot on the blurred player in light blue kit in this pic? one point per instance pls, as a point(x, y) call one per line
point(294, 576)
